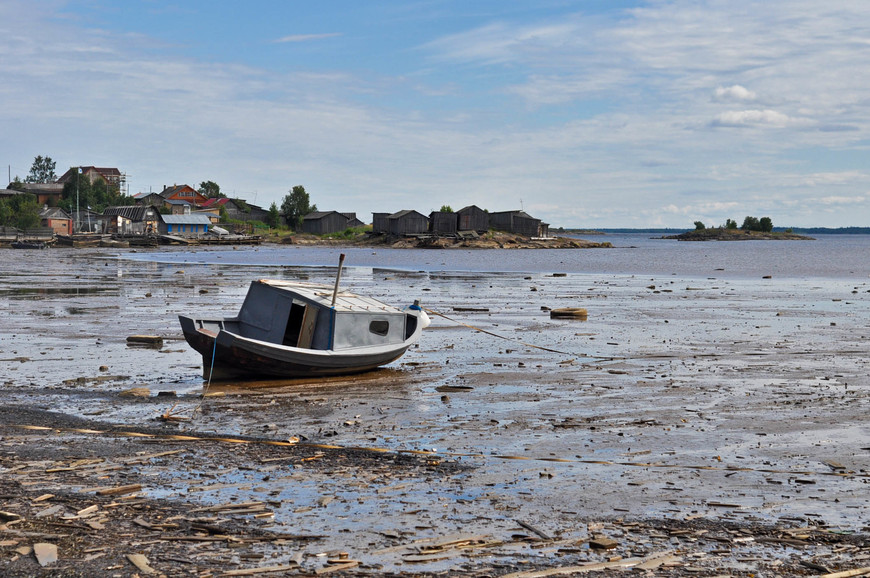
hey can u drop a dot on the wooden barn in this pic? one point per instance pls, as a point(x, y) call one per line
point(442, 223)
point(516, 222)
point(380, 223)
point(324, 222)
point(473, 218)
point(408, 222)
point(352, 221)
point(131, 220)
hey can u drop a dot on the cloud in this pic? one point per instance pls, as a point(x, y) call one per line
point(834, 178)
point(735, 93)
point(842, 200)
point(305, 37)
point(503, 43)
point(705, 208)
point(755, 118)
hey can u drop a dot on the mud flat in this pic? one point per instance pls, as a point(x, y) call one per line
point(690, 426)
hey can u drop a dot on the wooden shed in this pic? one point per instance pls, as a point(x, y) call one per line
point(131, 220)
point(352, 221)
point(473, 218)
point(517, 222)
point(442, 223)
point(324, 222)
point(380, 223)
point(408, 222)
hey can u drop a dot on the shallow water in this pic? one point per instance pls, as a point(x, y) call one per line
point(829, 256)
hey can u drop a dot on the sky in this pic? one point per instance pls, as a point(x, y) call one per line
point(585, 114)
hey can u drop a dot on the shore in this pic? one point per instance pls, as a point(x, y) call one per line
point(491, 240)
point(722, 234)
point(689, 428)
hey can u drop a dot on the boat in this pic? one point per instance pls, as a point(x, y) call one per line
point(28, 245)
point(288, 329)
point(81, 239)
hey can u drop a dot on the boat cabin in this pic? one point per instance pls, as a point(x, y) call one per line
point(301, 315)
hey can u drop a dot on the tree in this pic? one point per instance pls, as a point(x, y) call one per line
point(42, 170)
point(20, 211)
point(295, 206)
point(211, 189)
point(17, 184)
point(445, 209)
point(699, 226)
point(80, 193)
point(766, 224)
point(751, 224)
point(274, 218)
point(730, 224)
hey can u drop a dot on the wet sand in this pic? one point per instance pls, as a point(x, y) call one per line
point(691, 426)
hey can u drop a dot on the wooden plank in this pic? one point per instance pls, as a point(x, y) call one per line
point(45, 553)
point(120, 490)
point(141, 563)
point(260, 570)
point(306, 333)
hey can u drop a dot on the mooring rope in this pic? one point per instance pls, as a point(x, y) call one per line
point(838, 473)
point(493, 334)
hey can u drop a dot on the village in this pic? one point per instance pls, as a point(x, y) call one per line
point(181, 214)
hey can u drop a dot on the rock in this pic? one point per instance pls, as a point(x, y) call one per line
point(45, 553)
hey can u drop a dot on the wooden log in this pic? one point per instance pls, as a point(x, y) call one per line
point(147, 339)
point(120, 490)
point(569, 313)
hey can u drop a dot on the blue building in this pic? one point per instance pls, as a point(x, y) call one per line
point(184, 225)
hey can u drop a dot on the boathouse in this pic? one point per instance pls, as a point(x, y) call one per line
point(324, 222)
point(516, 222)
point(191, 225)
point(408, 222)
point(442, 223)
point(473, 218)
point(131, 220)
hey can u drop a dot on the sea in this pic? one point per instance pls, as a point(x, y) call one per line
point(825, 256)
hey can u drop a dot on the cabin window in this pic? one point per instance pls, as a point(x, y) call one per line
point(410, 325)
point(380, 327)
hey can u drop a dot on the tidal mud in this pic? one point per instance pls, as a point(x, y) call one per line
point(689, 426)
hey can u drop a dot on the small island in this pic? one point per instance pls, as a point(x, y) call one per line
point(753, 229)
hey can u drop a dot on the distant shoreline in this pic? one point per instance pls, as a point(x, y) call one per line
point(672, 231)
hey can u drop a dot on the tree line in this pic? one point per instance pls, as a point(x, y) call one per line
point(762, 225)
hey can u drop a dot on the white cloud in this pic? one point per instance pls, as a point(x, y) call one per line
point(735, 93)
point(834, 178)
point(748, 118)
point(839, 200)
point(701, 209)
